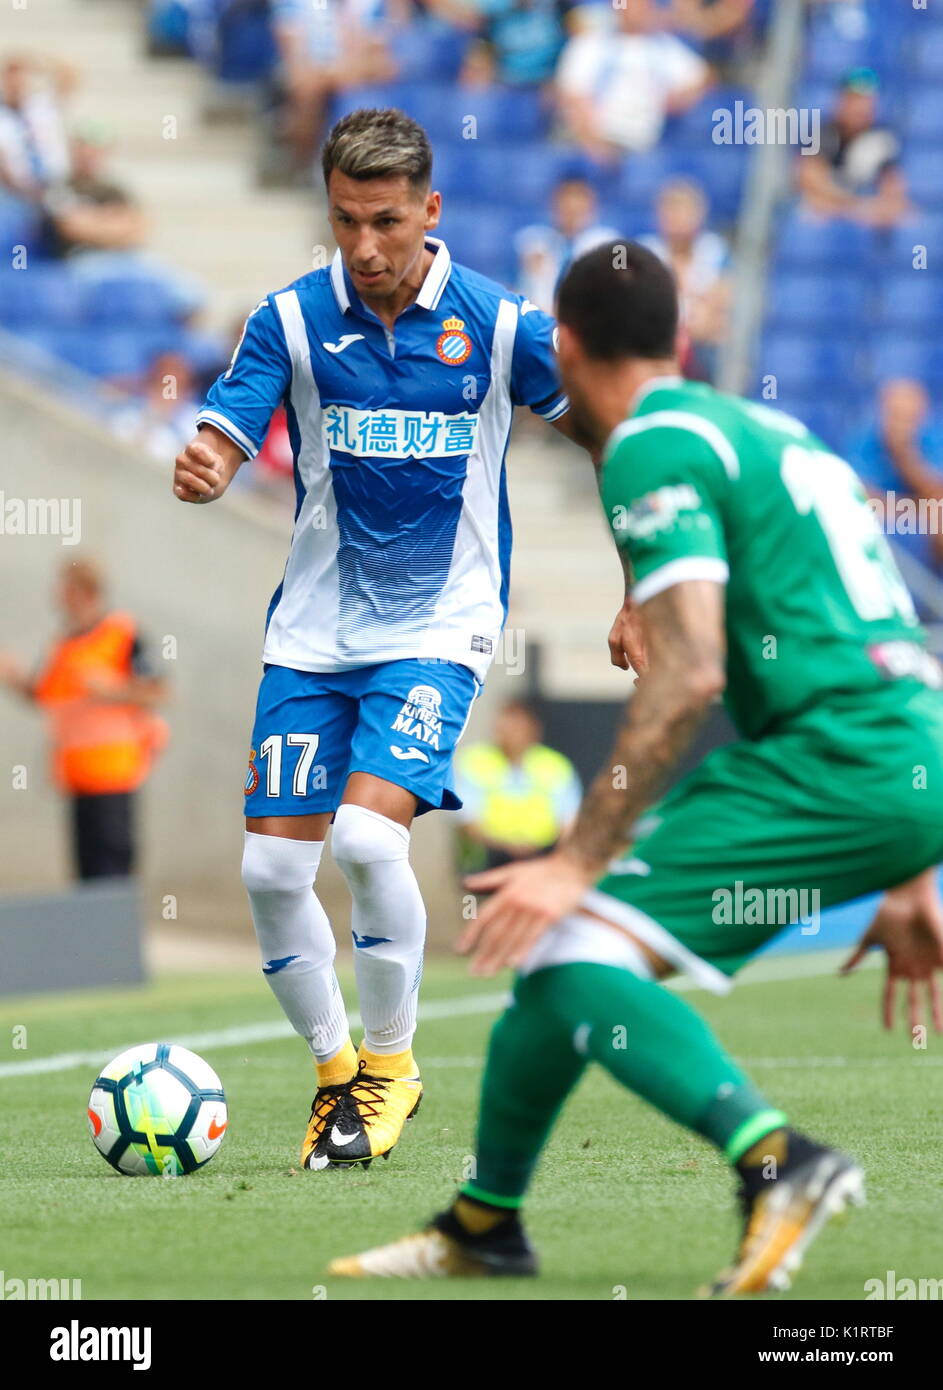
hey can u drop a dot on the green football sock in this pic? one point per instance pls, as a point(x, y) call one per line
point(644, 1035)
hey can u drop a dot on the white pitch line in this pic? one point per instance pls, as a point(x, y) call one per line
point(761, 972)
point(464, 1007)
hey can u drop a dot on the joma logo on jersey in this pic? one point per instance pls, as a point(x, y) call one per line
point(656, 511)
point(420, 716)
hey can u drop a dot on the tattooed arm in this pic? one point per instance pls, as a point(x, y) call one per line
point(684, 636)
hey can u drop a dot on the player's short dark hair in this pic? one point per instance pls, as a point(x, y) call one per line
point(620, 300)
point(379, 143)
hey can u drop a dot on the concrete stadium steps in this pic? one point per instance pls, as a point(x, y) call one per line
point(565, 576)
point(207, 215)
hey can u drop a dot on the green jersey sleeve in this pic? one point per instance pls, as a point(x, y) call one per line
point(662, 489)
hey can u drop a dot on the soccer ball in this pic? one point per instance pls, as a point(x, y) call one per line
point(157, 1109)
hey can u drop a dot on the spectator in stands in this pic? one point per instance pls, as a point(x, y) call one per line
point(709, 19)
point(545, 250)
point(520, 41)
point(95, 223)
point(89, 211)
point(100, 693)
point(903, 454)
point(700, 260)
point(857, 174)
point(518, 795)
point(162, 419)
point(34, 153)
point(616, 89)
point(325, 47)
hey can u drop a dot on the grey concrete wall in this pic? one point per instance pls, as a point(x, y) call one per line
point(84, 938)
point(201, 576)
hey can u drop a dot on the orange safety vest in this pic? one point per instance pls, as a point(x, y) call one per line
point(97, 747)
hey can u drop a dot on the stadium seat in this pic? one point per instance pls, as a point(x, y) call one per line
point(912, 302)
point(811, 244)
point(922, 116)
point(129, 302)
point(42, 296)
point(457, 114)
point(924, 169)
point(802, 363)
point(429, 51)
point(720, 169)
point(835, 303)
point(926, 54)
point(525, 173)
point(900, 355)
point(482, 238)
point(20, 226)
point(694, 128)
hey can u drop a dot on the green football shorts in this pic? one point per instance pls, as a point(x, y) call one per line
point(844, 800)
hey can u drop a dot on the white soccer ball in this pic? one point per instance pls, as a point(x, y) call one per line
point(157, 1109)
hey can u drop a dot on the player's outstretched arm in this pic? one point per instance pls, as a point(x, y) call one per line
point(908, 925)
point(205, 468)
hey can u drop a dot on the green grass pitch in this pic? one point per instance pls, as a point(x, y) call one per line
point(626, 1205)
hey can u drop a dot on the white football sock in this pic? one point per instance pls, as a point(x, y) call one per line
point(389, 923)
point(295, 938)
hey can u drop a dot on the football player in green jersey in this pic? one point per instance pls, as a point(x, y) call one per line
point(756, 572)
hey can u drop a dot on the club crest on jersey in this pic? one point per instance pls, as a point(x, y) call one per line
point(421, 715)
point(252, 776)
point(452, 345)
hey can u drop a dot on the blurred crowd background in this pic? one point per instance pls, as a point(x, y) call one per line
point(556, 124)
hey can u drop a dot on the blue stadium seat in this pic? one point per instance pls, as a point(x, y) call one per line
point(694, 128)
point(834, 303)
point(924, 169)
point(129, 302)
point(721, 170)
point(806, 243)
point(456, 113)
point(900, 355)
point(912, 303)
point(525, 174)
point(922, 116)
point(802, 362)
point(640, 176)
point(19, 226)
point(429, 51)
point(829, 56)
point(482, 238)
point(926, 53)
point(44, 295)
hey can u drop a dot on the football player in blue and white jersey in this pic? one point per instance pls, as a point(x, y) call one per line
point(399, 372)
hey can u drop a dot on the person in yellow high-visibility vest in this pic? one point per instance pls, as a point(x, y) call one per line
point(518, 795)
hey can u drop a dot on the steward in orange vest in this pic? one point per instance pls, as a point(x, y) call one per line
point(98, 695)
point(99, 744)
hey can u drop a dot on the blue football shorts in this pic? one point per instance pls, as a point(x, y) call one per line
point(399, 720)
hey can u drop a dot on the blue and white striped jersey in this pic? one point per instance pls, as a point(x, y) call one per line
point(402, 536)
